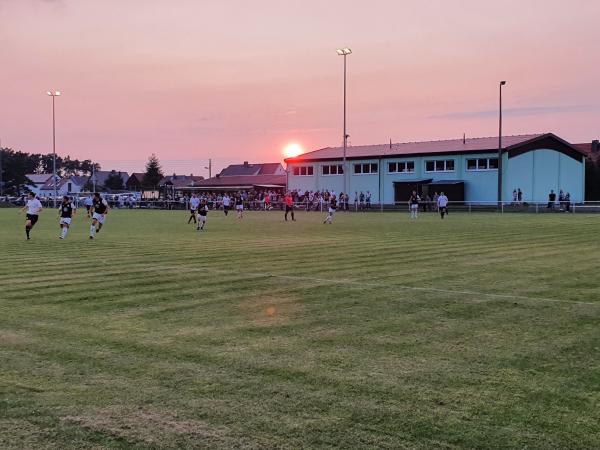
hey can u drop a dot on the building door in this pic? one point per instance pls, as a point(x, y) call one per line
point(403, 189)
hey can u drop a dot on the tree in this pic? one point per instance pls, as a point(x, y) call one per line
point(114, 181)
point(153, 173)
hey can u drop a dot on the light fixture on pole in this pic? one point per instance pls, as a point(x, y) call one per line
point(53, 94)
point(502, 83)
point(344, 52)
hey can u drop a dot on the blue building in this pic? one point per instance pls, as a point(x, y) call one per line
point(465, 169)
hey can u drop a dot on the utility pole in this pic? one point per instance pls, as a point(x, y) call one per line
point(209, 168)
point(1, 175)
point(502, 83)
point(53, 94)
point(94, 177)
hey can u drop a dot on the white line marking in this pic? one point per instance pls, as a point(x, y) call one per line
point(375, 285)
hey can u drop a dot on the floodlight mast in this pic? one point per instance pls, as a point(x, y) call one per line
point(53, 94)
point(344, 52)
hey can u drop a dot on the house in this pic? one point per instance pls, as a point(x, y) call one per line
point(247, 169)
point(466, 169)
point(134, 182)
point(38, 180)
point(178, 181)
point(65, 186)
point(234, 183)
point(100, 177)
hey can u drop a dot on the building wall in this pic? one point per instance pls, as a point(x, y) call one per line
point(535, 172)
point(539, 171)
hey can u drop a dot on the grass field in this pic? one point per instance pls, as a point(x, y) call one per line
point(479, 331)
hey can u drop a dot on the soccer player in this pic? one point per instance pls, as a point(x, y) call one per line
point(289, 206)
point(202, 212)
point(99, 211)
point(34, 208)
point(413, 204)
point(226, 203)
point(239, 206)
point(442, 204)
point(332, 208)
point(194, 203)
point(66, 212)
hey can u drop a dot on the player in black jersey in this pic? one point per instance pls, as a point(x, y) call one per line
point(202, 212)
point(413, 204)
point(66, 211)
point(239, 206)
point(99, 211)
point(332, 208)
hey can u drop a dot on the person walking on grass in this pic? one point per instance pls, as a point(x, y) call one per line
point(33, 207)
point(331, 212)
point(202, 213)
point(413, 204)
point(99, 211)
point(194, 203)
point(226, 203)
point(442, 204)
point(289, 206)
point(66, 212)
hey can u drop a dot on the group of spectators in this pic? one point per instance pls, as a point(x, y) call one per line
point(563, 203)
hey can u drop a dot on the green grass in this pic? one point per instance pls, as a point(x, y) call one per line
point(479, 331)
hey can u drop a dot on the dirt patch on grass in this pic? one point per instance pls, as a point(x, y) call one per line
point(12, 338)
point(271, 310)
point(147, 426)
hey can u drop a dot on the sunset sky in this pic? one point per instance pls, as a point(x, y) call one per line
point(239, 80)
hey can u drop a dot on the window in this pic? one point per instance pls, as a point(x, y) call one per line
point(446, 165)
point(337, 169)
point(480, 164)
point(303, 171)
point(361, 169)
point(399, 167)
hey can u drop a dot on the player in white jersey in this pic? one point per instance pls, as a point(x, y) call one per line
point(33, 207)
point(442, 204)
point(331, 211)
point(413, 204)
point(226, 203)
point(194, 203)
point(66, 211)
point(202, 212)
point(99, 211)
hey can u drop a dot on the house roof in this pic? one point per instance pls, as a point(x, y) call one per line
point(39, 178)
point(471, 145)
point(78, 180)
point(242, 181)
point(250, 169)
point(180, 180)
point(102, 175)
point(586, 149)
point(138, 175)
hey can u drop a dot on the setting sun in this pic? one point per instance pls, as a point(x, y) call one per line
point(292, 149)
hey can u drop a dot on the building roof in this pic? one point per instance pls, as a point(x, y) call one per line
point(39, 178)
point(471, 145)
point(243, 181)
point(78, 180)
point(251, 169)
point(180, 180)
point(102, 175)
point(587, 150)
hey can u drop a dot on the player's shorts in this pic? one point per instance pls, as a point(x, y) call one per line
point(414, 206)
point(443, 209)
point(65, 221)
point(331, 211)
point(239, 207)
point(99, 217)
point(192, 211)
point(201, 218)
point(289, 208)
point(88, 207)
point(33, 218)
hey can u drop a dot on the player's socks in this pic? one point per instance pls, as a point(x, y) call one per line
point(92, 231)
point(64, 232)
point(27, 229)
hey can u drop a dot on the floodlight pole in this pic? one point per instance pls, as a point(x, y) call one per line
point(344, 52)
point(502, 83)
point(53, 94)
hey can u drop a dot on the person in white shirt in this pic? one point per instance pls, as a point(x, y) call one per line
point(88, 204)
point(442, 204)
point(33, 208)
point(226, 203)
point(194, 203)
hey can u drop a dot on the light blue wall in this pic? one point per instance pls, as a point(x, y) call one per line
point(535, 172)
point(539, 171)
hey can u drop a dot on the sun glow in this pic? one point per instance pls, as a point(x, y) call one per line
point(292, 149)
